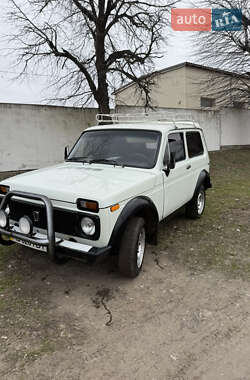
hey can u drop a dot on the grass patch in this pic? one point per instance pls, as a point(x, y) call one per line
point(220, 239)
point(4, 257)
point(24, 357)
point(45, 347)
point(8, 277)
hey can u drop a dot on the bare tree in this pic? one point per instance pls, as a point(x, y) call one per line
point(89, 47)
point(228, 51)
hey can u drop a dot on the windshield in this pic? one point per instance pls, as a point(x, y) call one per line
point(134, 148)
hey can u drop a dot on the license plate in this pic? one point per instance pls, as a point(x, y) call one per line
point(28, 244)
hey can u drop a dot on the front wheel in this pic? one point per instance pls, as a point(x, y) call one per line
point(132, 248)
point(196, 207)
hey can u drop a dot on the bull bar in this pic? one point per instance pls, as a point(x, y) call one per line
point(51, 242)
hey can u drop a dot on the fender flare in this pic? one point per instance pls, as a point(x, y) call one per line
point(139, 206)
point(204, 179)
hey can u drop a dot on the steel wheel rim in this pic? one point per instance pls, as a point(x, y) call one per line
point(141, 247)
point(201, 202)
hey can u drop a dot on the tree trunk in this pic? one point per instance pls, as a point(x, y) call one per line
point(102, 89)
point(103, 96)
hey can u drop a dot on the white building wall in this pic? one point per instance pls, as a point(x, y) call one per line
point(169, 89)
point(35, 136)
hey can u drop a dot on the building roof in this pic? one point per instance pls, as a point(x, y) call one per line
point(185, 64)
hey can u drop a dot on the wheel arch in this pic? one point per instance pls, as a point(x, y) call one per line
point(203, 179)
point(137, 207)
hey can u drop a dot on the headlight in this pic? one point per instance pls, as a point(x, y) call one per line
point(88, 226)
point(25, 225)
point(3, 219)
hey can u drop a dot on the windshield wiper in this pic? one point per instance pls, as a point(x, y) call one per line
point(105, 161)
point(87, 160)
point(79, 159)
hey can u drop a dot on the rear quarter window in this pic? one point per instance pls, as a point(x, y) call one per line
point(194, 144)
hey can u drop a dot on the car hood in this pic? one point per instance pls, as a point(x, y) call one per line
point(69, 181)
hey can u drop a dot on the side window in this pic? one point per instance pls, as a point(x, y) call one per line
point(194, 144)
point(176, 145)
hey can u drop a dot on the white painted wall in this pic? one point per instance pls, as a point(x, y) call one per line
point(235, 127)
point(35, 136)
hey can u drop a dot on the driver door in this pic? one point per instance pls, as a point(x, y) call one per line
point(177, 185)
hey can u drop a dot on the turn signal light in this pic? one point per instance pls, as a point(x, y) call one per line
point(87, 205)
point(115, 208)
point(4, 189)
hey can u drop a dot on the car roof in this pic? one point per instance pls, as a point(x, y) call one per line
point(155, 126)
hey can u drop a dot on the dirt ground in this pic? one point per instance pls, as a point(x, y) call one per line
point(187, 317)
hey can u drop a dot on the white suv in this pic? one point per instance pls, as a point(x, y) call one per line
point(108, 197)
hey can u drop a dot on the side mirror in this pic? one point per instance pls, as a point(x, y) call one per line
point(169, 164)
point(66, 152)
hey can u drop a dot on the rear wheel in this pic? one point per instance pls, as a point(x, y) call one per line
point(196, 206)
point(132, 248)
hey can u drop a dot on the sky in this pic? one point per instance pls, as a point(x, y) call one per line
point(34, 88)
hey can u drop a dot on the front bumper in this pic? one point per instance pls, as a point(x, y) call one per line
point(47, 243)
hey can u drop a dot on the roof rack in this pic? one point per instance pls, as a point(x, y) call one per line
point(160, 117)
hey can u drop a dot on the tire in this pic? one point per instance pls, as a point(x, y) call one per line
point(130, 260)
point(195, 208)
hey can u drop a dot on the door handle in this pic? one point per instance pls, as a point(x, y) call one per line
point(188, 167)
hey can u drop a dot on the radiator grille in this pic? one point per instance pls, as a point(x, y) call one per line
point(65, 222)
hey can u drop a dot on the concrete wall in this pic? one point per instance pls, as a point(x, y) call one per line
point(35, 136)
point(235, 127)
